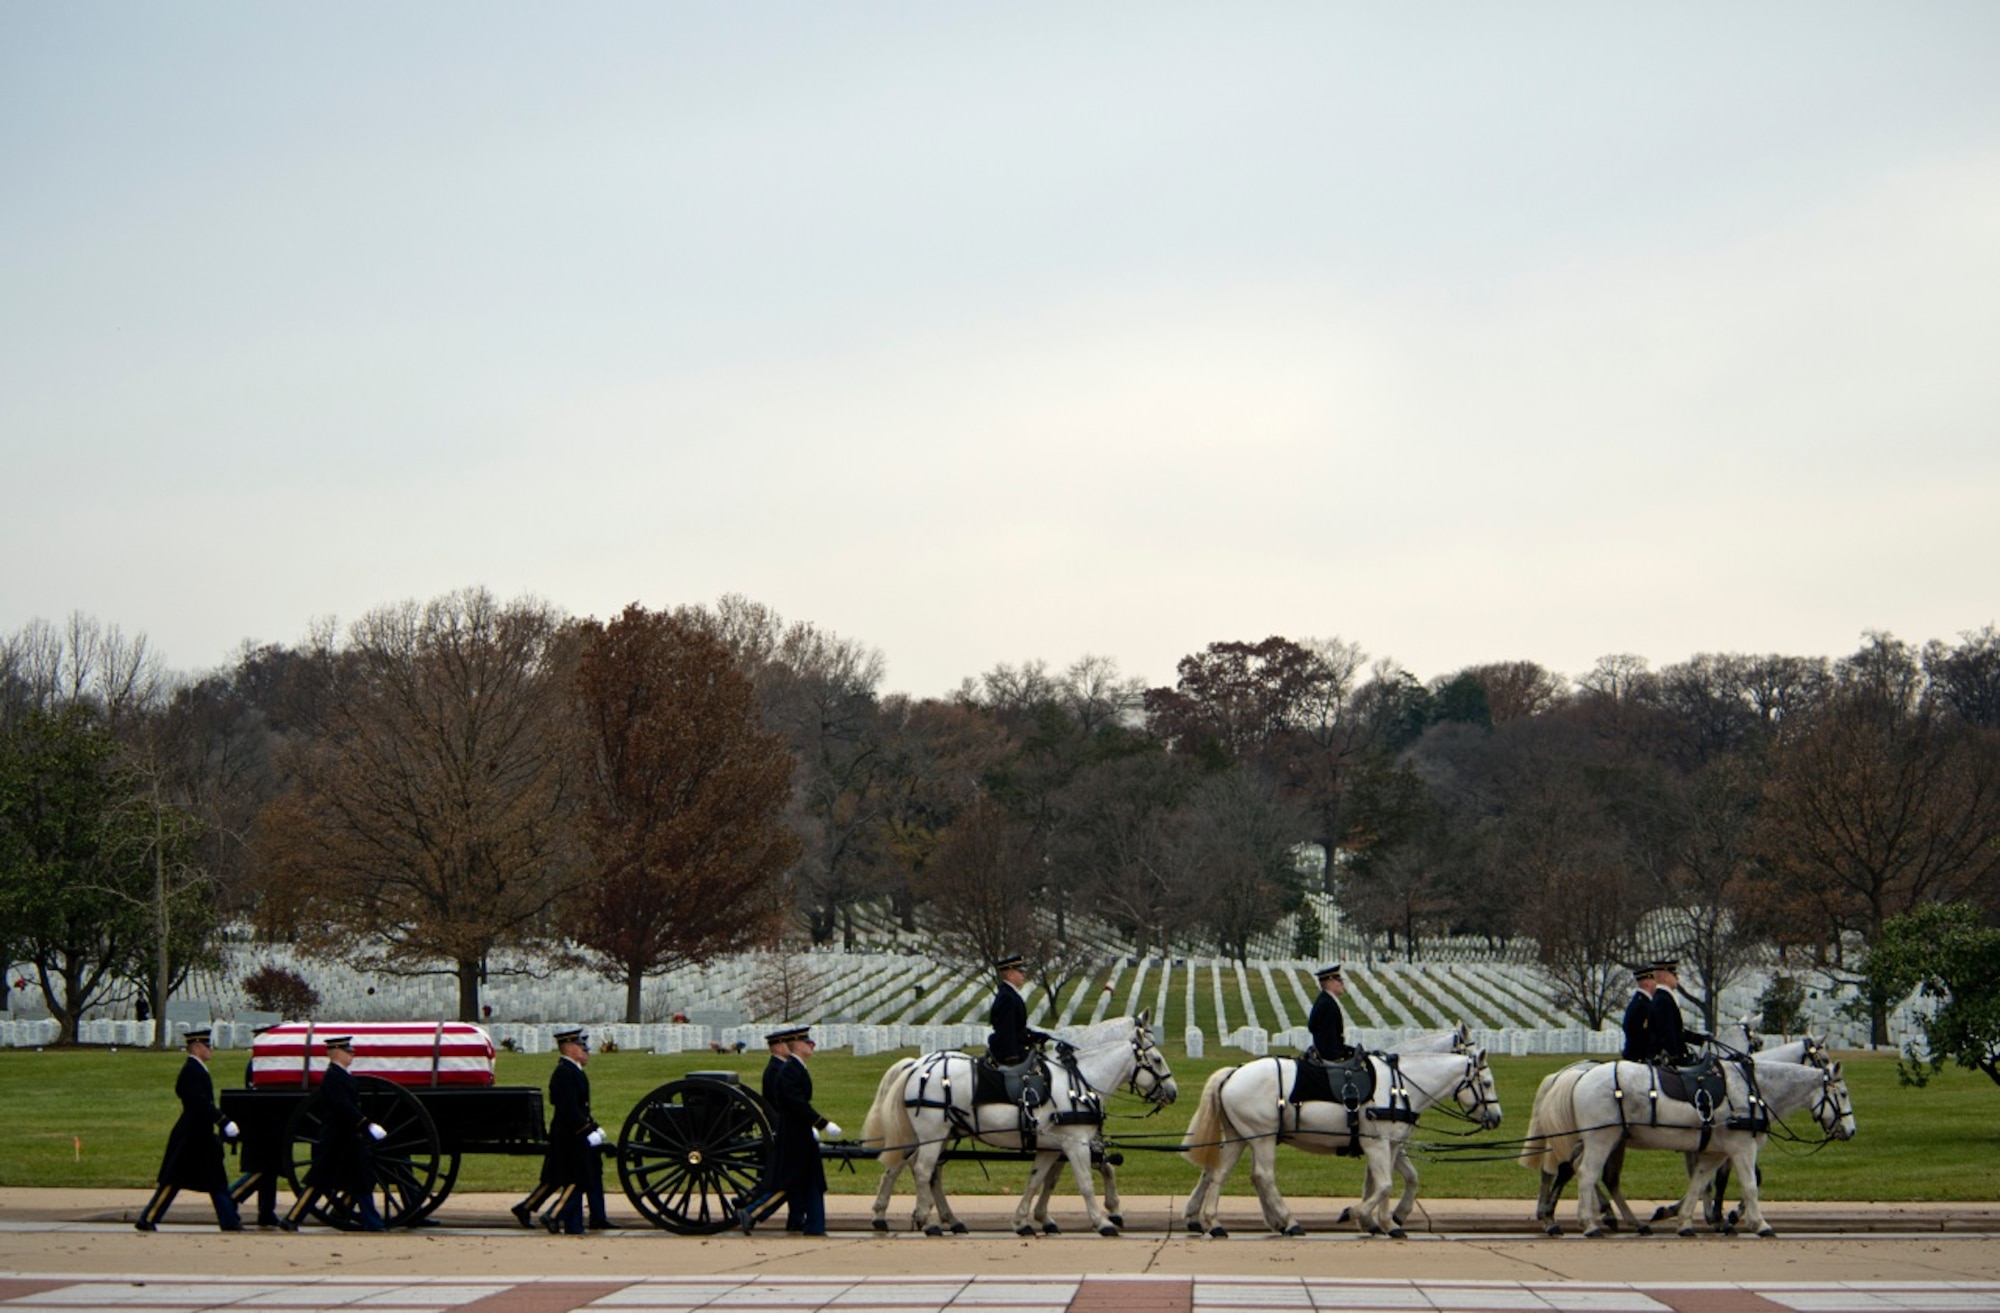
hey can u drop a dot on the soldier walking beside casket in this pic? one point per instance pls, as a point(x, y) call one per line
point(793, 1172)
point(193, 1159)
point(343, 1158)
point(1641, 1040)
point(1328, 1026)
point(572, 1163)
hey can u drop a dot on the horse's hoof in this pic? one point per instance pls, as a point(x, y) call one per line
point(1397, 1233)
point(1050, 1228)
point(1218, 1233)
point(1194, 1228)
point(1687, 1232)
point(1593, 1234)
point(1552, 1229)
point(1768, 1233)
point(1117, 1219)
point(933, 1229)
point(1727, 1230)
point(1662, 1213)
point(881, 1224)
point(958, 1228)
point(1346, 1216)
point(1107, 1230)
point(1024, 1230)
point(1374, 1230)
point(1294, 1229)
point(1644, 1229)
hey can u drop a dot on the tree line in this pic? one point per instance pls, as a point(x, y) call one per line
point(467, 786)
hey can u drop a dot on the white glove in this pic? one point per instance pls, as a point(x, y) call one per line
point(815, 1137)
point(833, 1129)
point(595, 1138)
point(229, 1131)
point(376, 1132)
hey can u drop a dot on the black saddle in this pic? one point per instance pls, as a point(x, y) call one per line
point(1349, 1080)
point(1703, 1084)
point(1024, 1084)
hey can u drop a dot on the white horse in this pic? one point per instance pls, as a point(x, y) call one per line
point(1249, 1106)
point(1554, 1152)
point(924, 1105)
point(1611, 1106)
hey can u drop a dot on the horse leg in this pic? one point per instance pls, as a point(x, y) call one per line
point(1698, 1183)
point(1113, 1206)
point(1589, 1170)
point(946, 1217)
point(1264, 1175)
point(1191, 1213)
point(1406, 1169)
point(923, 1166)
point(1035, 1194)
point(1751, 1187)
point(1077, 1149)
point(1381, 1170)
point(1230, 1152)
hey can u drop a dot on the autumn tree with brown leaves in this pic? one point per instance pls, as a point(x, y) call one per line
point(684, 804)
point(425, 825)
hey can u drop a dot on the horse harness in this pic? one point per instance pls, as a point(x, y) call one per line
point(1350, 1082)
point(1025, 1085)
point(1704, 1086)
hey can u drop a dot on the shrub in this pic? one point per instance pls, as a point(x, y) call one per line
point(281, 990)
point(1780, 1004)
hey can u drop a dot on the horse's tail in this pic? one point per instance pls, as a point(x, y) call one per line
point(1551, 1137)
point(888, 1126)
point(1202, 1145)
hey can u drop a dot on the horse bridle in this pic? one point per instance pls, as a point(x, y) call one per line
point(1827, 1101)
point(1474, 1064)
point(1142, 1064)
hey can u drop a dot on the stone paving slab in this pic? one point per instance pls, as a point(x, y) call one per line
point(971, 1294)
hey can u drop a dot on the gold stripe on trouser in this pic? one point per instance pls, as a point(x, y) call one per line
point(560, 1200)
point(303, 1207)
point(156, 1207)
point(535, 1198)
point(246, 1187)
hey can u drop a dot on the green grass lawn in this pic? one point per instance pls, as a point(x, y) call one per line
point(90, 1117)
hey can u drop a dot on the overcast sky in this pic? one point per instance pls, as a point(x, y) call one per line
point(994, 332)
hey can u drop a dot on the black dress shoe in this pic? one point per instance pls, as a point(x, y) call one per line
point(552, 1223)
point(287, 1224)
point(269, 1220)
point(145, 1226)
point(606, 1224)
point(232, 1226)
point(524, 1215)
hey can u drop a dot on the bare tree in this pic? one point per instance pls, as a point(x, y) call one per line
point(426, 827)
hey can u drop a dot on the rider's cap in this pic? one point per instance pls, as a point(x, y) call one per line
point(341, 1042)
point(198, 1036)
point(578, 1036)
point(1011, 962)
point(787, 1035)
point(1671, 964)
point(1329, 973)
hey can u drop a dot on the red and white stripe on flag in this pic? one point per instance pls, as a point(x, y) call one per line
point(417, 1053)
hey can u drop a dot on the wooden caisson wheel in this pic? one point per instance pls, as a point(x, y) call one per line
point(413, 1174)
point(691, 1152)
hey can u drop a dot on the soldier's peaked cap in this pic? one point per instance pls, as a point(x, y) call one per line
point(1329, 973)
point(197, 1036)
point(341, 1042)
point(572, 1037)
point(1672, 964)
point(787, 1035)
point(1642, 971)
point(1011, 962)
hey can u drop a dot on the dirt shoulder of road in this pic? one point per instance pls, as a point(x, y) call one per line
point(89, 1232)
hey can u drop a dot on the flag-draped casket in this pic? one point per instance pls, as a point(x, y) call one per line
point(415, 1053)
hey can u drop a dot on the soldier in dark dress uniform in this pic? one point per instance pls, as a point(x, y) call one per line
point(793, 1171)
point(1328, 1026)
point(343, 1158)
point(1641, 1041)
point(572, 1164)
point(262, 1162)
point(193, 1159)
point(1007, 1044)
point(1670, 1035)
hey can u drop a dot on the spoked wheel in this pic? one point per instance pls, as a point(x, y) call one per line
point(691, 1151)
point(413, 1174)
